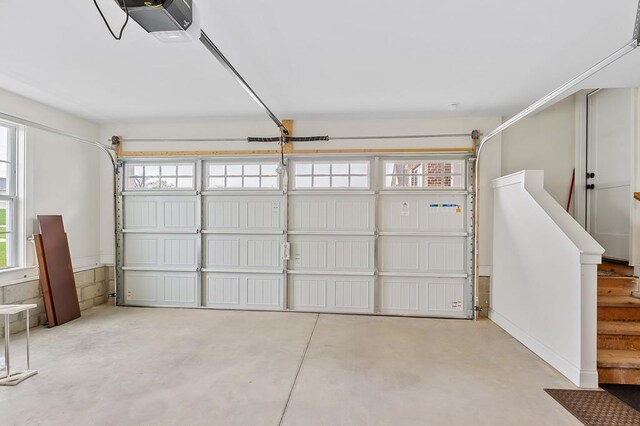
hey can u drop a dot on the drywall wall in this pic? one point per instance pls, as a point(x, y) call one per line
point(61, 178)
point(546, 142)
point(333, 127)
point(544, 279)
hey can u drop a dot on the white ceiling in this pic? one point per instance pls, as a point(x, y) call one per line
point(307, 59)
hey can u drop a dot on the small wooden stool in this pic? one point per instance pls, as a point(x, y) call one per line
point(13, 379)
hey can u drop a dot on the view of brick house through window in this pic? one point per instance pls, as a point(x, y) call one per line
point(432, 174)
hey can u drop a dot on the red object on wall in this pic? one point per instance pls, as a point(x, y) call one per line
point(573, 184)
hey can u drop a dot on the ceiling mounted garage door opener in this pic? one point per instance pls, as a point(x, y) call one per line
point(172, 21)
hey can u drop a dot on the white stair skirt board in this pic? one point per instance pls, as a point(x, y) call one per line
point(583, 378)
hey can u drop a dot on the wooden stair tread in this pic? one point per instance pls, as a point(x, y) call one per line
point(628, 328)
point(619, 301)
point(615, 268)
point(605, 279)
point(608, 358)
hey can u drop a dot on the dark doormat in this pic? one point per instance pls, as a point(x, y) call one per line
point(628, 393)
point(596, 408)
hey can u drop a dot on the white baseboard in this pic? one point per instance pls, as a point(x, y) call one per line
point(581, 378)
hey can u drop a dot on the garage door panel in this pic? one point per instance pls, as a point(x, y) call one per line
point(246, 213)
point(339, 253)
point(340, 212)
point(243, 252)
point(160, 250)
point(422, 213)
point(424, 296)
point(152, 288)
point(244, 291)
point(148, 212)
point(222, 214)
point(331, 293)
point(406, 254)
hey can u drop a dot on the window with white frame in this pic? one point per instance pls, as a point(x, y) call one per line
point(8, 196)
point(159, 176)
point(238, 176)
point(431, 174)
point(338, 174)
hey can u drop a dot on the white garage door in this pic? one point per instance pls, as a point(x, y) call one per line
point(424, 246)
point(160, 221)
point(243, 206)
point(345, 234)
point(332, 236)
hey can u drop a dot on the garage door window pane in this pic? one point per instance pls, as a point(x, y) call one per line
point(359, 168)
point(185, 182)
point(234, 182)
point(321, 182)
point(269, 170)
point(168, 183)
point(304, 169)
point(321, 169)
point(252, 169)
point(269, 182)
point(340, 169)
point(159, 176)
point(359, 182)
point(152, 171)
point(216, 182)
point(436, 174)
point(303, 182)
point(215, 170)
point(340, 181)
point(341, 174)
point(169, 170)
point(234, 170)
point(252, 182)
point(243, 176)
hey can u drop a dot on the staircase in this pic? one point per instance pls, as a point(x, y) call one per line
point(618, 325)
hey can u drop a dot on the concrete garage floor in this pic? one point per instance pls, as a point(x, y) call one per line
point(129, 366)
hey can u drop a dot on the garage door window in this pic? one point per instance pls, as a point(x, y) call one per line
point(425, 174)
point(237, 176)
point(346, 175)
point(159, 176)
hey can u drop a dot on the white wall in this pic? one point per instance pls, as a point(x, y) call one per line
point(546, 142)
point(61, 178)
point(544, 282)
point(336, 127)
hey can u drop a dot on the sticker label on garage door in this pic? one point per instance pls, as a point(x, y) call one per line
point(404, 210)
point(275, 207)
point(449, 207)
